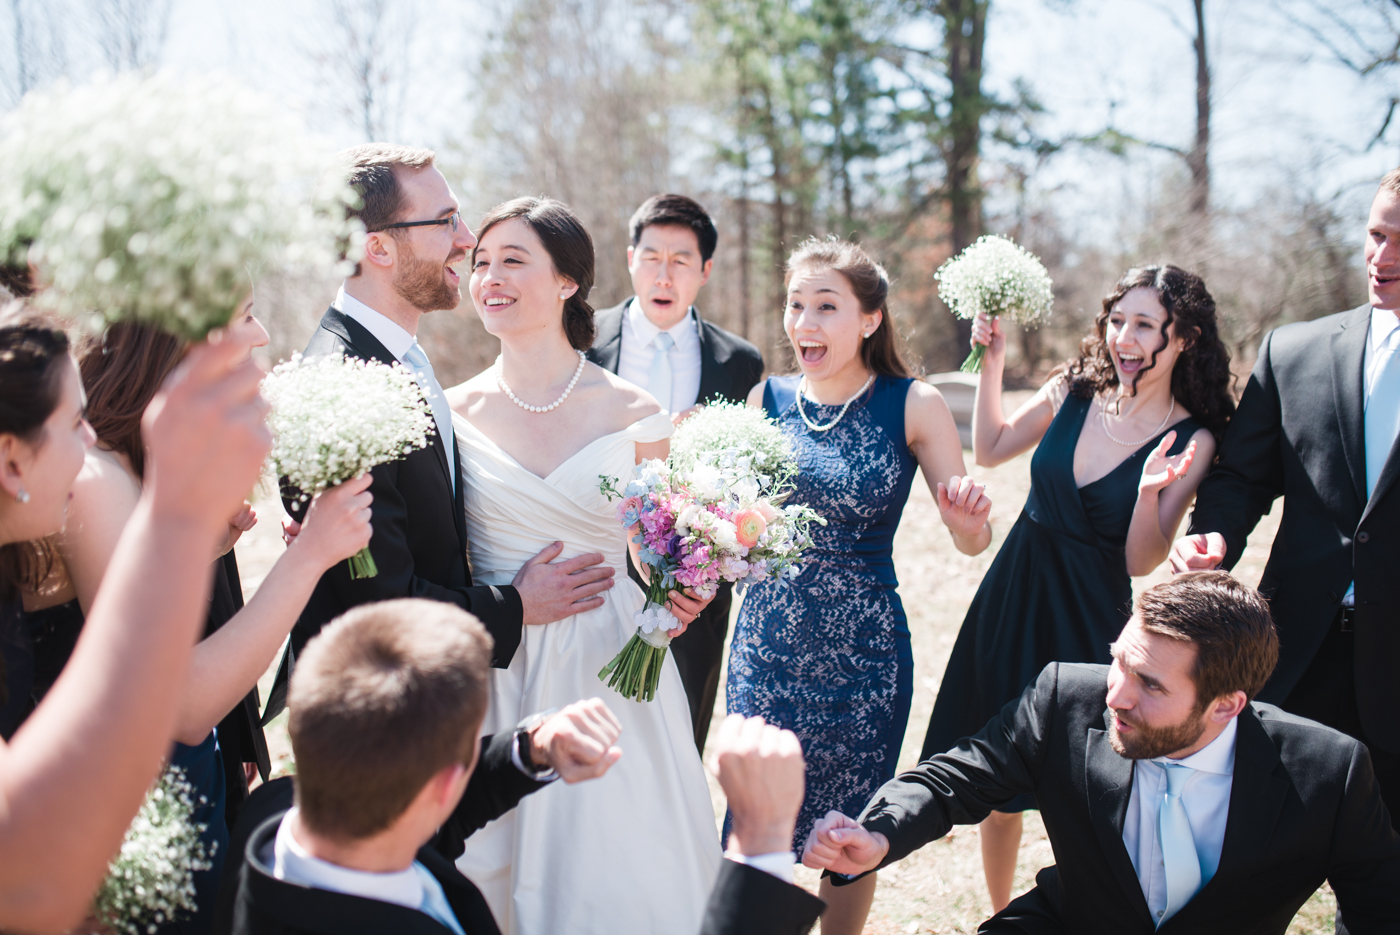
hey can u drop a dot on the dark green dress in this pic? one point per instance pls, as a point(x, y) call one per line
point(1058, 590)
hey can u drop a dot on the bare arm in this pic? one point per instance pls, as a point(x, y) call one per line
point(1164, 493)
point(104, 499)
point(933, 438)
point(227, 665)
point(996, 439)
point(77, 770)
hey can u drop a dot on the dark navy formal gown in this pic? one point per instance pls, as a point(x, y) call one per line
point(1058, 590)
point(826, 654)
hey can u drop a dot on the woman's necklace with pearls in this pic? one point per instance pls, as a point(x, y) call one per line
point(501, 381)
point(1103, 415)
point(801, 389)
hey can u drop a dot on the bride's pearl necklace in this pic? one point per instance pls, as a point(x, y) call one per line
point(802, 387)
point(1103, 414)
point(501, 381)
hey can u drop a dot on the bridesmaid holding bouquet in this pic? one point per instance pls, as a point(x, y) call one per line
point(1125, 434)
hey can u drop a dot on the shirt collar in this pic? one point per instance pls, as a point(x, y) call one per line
point(1383, 322)
point(646, 331)
point(295, 864)
point(1218, 756)
point(395, 339)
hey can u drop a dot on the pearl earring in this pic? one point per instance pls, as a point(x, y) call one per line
point(22, 496)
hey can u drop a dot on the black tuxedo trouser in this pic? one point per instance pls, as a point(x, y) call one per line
point(1327, 693)
point(699, 653)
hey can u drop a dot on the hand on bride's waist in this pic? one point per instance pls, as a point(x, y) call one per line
point(552, 590)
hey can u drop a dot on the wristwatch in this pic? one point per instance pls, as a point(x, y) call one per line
point(522, 747)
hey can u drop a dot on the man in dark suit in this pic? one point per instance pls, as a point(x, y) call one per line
point(657, 340)
point(1172, 802)
point(415, 235)
point(1317, 426)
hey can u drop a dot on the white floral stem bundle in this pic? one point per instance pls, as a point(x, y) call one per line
point(996, 276)
point(158, 198)
point(152, 879)
point(334, 418)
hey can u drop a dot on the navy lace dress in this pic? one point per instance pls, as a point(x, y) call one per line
point(826, 654)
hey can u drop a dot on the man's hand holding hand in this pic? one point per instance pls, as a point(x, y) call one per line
point(551, 590)
point(579, 742)
point(762, 773)
point(839, 844)
point(1198, 552)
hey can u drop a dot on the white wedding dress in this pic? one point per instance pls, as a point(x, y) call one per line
point(635, 851)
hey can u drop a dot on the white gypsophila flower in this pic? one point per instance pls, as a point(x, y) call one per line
point(152, 879)
point(996, 276)
point(738, 439)
point(335, 418)
point(158, 198)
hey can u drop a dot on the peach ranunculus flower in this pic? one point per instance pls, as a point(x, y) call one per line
point(768, 511)
point(748, 526)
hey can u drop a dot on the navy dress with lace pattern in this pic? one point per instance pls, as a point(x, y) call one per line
point(826, 654)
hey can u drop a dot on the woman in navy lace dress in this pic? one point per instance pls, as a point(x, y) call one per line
point(826, 654)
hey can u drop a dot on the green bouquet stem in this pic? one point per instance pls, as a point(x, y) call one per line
point(636, 671)
point(362, 564)
point(973, 364)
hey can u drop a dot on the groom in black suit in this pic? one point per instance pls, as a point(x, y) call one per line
point(1317, 425)
point(1173, 803)
point(658, 341)
point(414, 236)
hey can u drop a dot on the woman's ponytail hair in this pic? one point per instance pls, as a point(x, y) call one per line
point(570, 248)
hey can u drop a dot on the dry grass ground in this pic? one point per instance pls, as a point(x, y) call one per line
point(939, 888)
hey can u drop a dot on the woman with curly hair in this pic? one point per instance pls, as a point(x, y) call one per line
point(1125, 434)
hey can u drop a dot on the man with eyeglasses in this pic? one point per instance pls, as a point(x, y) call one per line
point(414, 238)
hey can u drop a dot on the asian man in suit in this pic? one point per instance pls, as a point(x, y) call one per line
point(1173, 802)
point(657, 340)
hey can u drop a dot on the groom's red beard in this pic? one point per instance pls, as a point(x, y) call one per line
point(424, 284)
point(1147, 742)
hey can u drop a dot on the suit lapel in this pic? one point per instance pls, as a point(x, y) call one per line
point(607, 346)
point(1348, 355)
point(1108, 781)
point(713, 376)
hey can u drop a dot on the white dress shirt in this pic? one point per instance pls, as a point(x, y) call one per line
point(1206, 799)
point(396, 341)
point(411, 887)
point(635, 355)
point(1383, 338)
point(778, 863)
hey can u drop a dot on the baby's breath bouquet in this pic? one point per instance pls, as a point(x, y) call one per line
point(158, 198)
point(713, 512)
point(334, 418)
point(152, 879)
point(996, 276)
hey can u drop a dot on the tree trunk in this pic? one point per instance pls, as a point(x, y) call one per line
point(1198, 160)
point(964, 35)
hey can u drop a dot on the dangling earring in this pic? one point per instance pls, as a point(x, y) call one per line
point(22, 496)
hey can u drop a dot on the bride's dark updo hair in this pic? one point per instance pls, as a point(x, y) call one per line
point(570, 248)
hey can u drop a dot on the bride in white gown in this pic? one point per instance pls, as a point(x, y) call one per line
point(636, 851)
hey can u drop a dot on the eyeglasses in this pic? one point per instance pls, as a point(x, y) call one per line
point(454, 220)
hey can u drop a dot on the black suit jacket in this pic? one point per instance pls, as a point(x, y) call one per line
point(729, 365)
point(1298, 434)
point(420, 534)
point(251, 901)
point(1304, 808)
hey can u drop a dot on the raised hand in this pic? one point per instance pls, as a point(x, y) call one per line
point(579, 742)
point(987, 331)
point(551, 591)
point(839, 844)
point(761, 770)
point(964, 506)
point(337, 523)
point(1159, 469)
point(1201, 552)
point(244, 520)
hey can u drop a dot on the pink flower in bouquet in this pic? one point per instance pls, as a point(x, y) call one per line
point(629, 511)
point(767, 510)
point(749, 525)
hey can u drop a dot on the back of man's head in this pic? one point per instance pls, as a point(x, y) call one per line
point(1228, 623)
point(375, 171)
point(382, 699)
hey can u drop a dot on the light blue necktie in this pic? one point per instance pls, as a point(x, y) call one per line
point(442, 413)
point(435, 901)
point(1179, 858)
point(659, 382)
point(1383, 412)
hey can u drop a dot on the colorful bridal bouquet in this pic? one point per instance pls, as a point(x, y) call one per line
point(158, 199)
point(152, 879)
point(712, 512)
point(996, 276)
point(334, 418)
